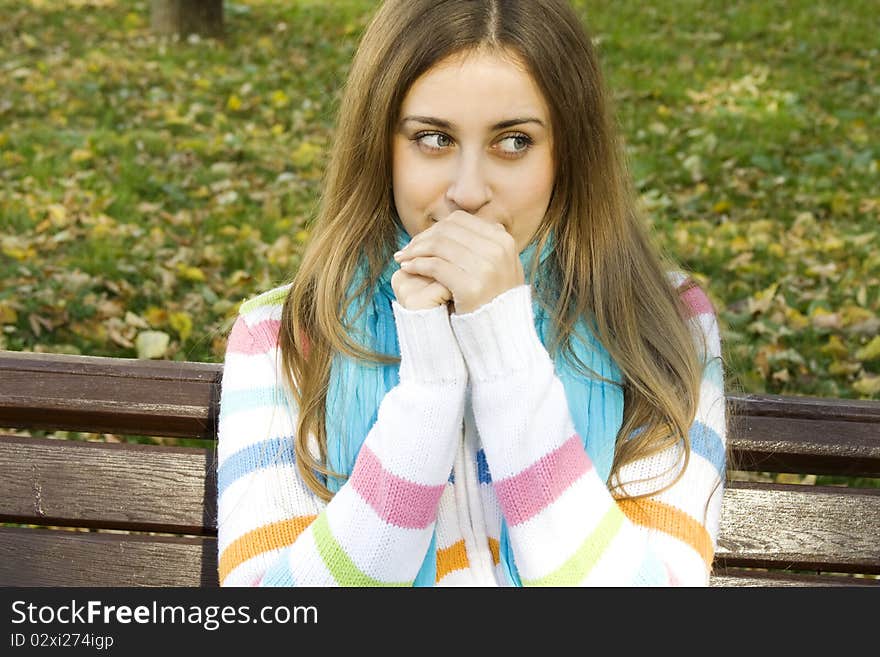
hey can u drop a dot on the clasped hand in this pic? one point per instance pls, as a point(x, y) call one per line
point(461, 258)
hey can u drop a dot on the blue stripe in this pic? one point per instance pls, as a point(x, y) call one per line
point(235, 401)
point(277, 451)
point(279, 573)
point(651, 571)
point(713, 372)
point(706, 442)
point(483, 468)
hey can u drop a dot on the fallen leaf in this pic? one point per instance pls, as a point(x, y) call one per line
point(821, 318)
point(870, 351)
point(152, 344)
point(868, 327)
point(835, 348)
point(182, 323)
point(8, 315)
point(868, 385)
point(136, 320)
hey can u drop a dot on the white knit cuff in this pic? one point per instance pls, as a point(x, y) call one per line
point(499, 338)
point(428, 350)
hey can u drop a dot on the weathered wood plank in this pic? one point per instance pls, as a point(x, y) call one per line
point(116, 395)
point(800, 527)
point(109, 485)
point(741, 577)
point(800, 445)
point(47, 557)
point(809, 408)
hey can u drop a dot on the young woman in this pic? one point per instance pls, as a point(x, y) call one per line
point(483, 373)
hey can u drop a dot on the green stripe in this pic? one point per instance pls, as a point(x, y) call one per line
point(273, 297)
point(581, 562)
point(343, 569)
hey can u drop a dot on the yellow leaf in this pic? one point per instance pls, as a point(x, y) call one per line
point(796, 319)
point(156, 316)
point(58, 214)
point(761, 301)
point(81, 155)
point(7, 313)
point(870, 351)
point(190, 273)
point(739, 243)
point(237, 277)
point(844, 368)
point(868, 385)
point(133, 21)
point(835, 348)
point(851, 314)
point(182, 323)
point(721, 206)
point(305, 154)
point(234, 103)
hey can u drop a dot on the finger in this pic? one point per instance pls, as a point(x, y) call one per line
point(442, 246)
point(416, 292)
point(405, 284)
point(443, 271)
point(490, 230)
point(455, 242)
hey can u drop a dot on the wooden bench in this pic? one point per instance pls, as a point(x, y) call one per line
point(89, 513)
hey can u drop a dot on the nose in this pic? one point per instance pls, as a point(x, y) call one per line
point(469, 189)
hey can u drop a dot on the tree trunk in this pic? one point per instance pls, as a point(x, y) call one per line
point(184, 17)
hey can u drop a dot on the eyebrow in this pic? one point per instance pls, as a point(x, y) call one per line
point(440, 123)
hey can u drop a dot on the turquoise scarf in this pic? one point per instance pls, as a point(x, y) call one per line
point(358, 387)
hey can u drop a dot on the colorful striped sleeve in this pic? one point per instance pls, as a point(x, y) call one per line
point(566, 528)
point(272, 529)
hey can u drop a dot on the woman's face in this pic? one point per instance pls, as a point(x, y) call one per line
point(474, 135)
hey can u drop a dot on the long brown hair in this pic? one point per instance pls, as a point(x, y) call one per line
point(604, 263)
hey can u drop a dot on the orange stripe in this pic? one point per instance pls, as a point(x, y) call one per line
point(452, 558)
point(262, 539)
point(672, 521)
point(493, 548)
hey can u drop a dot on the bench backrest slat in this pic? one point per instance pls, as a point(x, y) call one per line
point(50, 557)
point(107, 485)
point(109, 395)
point(800, 527)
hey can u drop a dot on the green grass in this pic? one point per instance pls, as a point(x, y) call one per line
point(169, 179)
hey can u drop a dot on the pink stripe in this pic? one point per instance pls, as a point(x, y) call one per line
point(257, 339)
point(526, 494)
point(697, 302)
point(397, 501)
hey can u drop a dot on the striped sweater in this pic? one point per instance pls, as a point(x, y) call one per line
point(477, 430)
